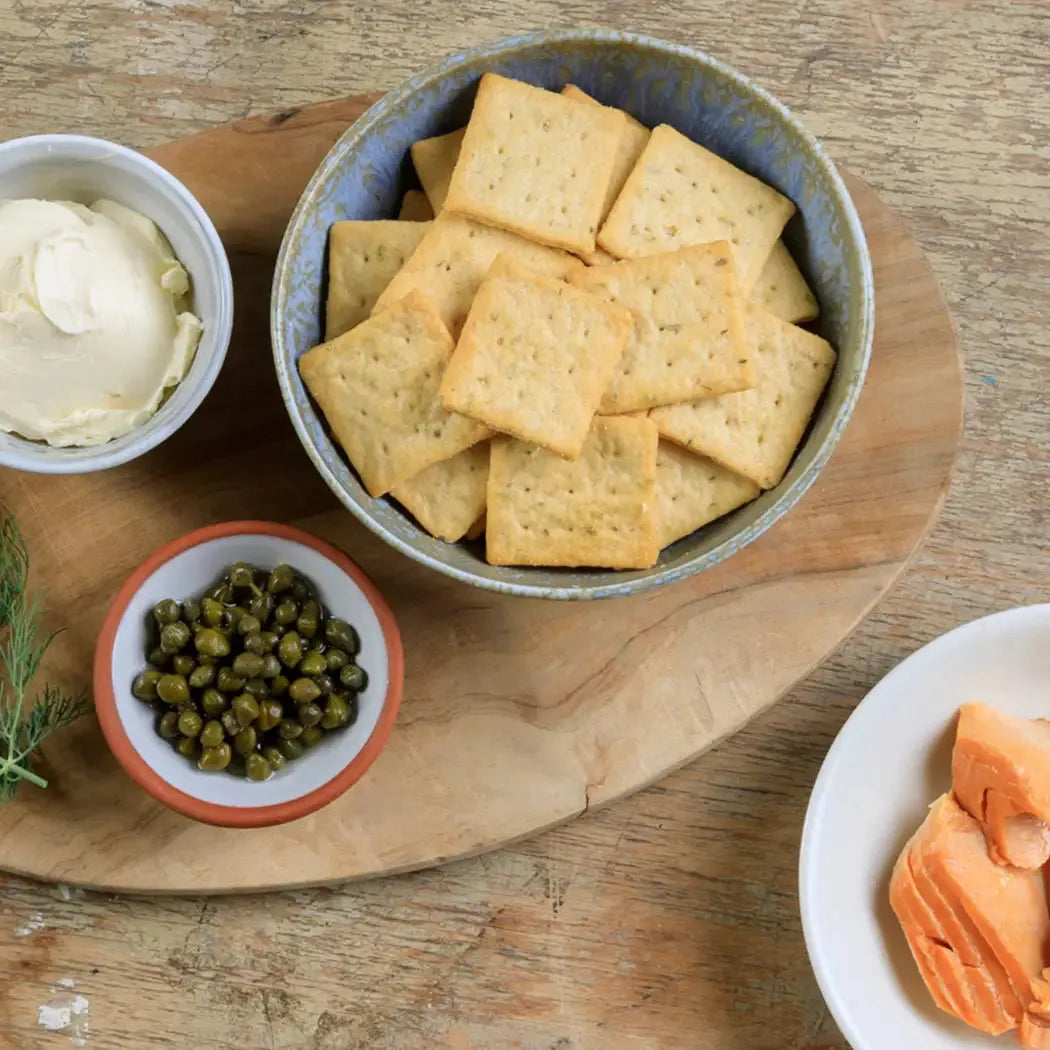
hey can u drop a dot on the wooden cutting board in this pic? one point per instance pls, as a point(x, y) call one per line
point(518, 714)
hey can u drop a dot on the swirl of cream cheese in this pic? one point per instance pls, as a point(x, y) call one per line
point(95, 326)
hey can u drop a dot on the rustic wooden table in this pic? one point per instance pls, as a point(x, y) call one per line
point(668, 920)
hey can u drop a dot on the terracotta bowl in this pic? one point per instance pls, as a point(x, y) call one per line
point(186, 568)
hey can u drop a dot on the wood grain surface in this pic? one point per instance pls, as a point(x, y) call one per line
point(517, 715)
point(667, 920)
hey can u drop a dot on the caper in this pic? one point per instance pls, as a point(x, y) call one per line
point(257, 768)
point(271, 666)
point(258, 688)
point(173, 689)
point(301, 590)
point(221, 593)
point(273, 756)
point(166, 612)
point(230, 723)
point(168, 726)
point(271, 712)
point(244, 742)
point(159, 658)
point(290, 649)
point(291, 749)
point(174, 637)
point(191, 610)
point(336, 712)
point(145, 685)
point(212, 642)
point(336, 660)
point(183, 663)
point(213, 703)
point(202, 676)
point(246, 708)
point(289, 730)
point(309, 714)
point(261, 607)
point(353, 677)
point(207, 661)
point(228, 681)
point(303, 690)
point(287, 611)
point(241, 575)
point(248, 624)
point(312, 664)
point(280, 579)
point(253, 643)
point(350, 699)
point(340, 634)
point(311, 735)
point(232, 615)
point(211, 612)
point(215, 758)
point(247, 665)
point(189, 746)
point(212, 735)
point(190, 723)
point(309, 619)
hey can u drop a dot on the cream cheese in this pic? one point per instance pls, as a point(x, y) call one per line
point(94, 320)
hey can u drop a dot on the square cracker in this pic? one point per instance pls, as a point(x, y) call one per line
point(453, 258)
point(632, 142)
point(415, 207)
point(782, 289)
point(377, 386)
point(692, 491)
point(688, 338)
point(756, 431)
point(536, 163)
point(598, 510)
point(534, 356)
point(434, 160)
point(680, 194)
point(363, 256)
point(448, 498)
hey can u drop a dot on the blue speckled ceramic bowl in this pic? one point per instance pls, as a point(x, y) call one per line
point(368, 169)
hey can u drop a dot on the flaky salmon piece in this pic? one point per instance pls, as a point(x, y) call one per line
point(1001, 777)
point(979, 931)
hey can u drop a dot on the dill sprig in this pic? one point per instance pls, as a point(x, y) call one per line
point(25, 722)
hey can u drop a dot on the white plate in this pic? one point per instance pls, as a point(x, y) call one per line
point(891, 759)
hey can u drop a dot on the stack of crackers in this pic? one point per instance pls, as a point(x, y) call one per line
point(580, 338)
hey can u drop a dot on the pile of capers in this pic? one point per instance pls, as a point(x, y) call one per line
point(252, 674)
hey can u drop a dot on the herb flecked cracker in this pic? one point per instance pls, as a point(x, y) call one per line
point(536, 163)
point(448, 498)
point(681, 194)
point(534, 356)
point(692, 491)
point(597, 510)
point(378, 388)
point(453, 259)
point(782, 289)
point(363, 257)
point(632, 141)
point(434, 160)
point(755, 432)
point(688, 338)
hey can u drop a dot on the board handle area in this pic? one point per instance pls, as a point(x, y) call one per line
point(269, 159)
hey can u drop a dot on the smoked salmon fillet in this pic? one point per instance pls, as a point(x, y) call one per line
point(1001, 777)
point(979, 931)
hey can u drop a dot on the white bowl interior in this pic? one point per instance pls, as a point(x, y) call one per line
point(889, 762)
point(72, 167)
point(188, 575)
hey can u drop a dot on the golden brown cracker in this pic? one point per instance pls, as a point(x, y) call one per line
point(782, 290)
point(377, 386)
point(434, 160)
point(448, 498)
point(597, 510)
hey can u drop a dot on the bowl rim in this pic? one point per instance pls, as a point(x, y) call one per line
point(655, 577)
point(148, 436)
point(243, 816)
